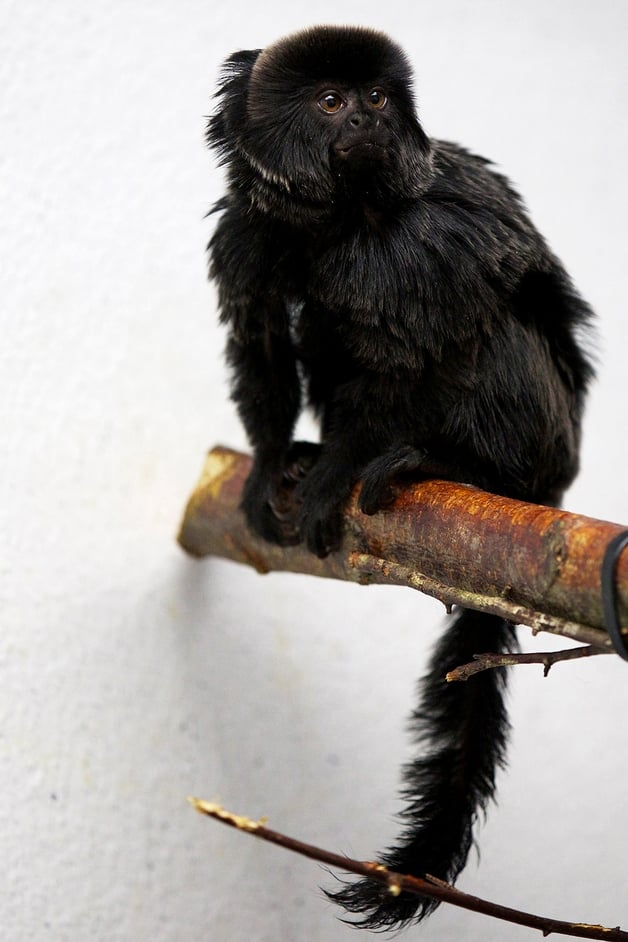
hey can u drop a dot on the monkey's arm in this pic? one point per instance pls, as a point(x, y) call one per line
point(265, 388)
point(265, 382)
point(322, 494)
point(354, 430)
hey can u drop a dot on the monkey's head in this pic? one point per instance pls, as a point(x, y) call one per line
point(324, 113)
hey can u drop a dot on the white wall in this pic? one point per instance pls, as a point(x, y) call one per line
point(133, 676)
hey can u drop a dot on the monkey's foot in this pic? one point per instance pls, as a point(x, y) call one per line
point(378, 479)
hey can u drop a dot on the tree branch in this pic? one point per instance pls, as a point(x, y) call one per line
point(397, 882)
point(533, 565)
point(483, 662)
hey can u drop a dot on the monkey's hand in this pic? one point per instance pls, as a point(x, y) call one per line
point(379, 476)
point(321, 496)
point(268, 499)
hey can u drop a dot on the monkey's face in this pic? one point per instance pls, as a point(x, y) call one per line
point(356, 120)
point(330, 110)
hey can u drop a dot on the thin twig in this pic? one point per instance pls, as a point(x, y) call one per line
point(483, 662)
point(397, 882)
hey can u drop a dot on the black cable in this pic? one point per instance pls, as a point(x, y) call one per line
point(609, 593)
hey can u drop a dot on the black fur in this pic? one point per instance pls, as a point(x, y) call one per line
point(463, 729)
point(397, 285)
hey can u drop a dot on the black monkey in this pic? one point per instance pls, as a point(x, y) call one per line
point(397, 283)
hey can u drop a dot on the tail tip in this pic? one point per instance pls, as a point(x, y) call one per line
point(380, 907)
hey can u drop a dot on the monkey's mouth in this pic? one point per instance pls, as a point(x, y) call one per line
point(359, 148)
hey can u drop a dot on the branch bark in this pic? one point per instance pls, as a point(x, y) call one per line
point(533, 565)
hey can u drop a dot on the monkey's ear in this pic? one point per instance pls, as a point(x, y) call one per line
point(235, 70)
point(229, 118)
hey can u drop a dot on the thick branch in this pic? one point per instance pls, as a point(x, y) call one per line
point(533, 565)
point(398, 882)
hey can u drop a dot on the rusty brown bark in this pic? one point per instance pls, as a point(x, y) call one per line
point(534, 565)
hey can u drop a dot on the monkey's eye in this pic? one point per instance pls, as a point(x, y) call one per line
point(330, 102)
point(377, 98)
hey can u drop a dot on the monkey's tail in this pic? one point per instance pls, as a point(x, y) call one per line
point(463, 727)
